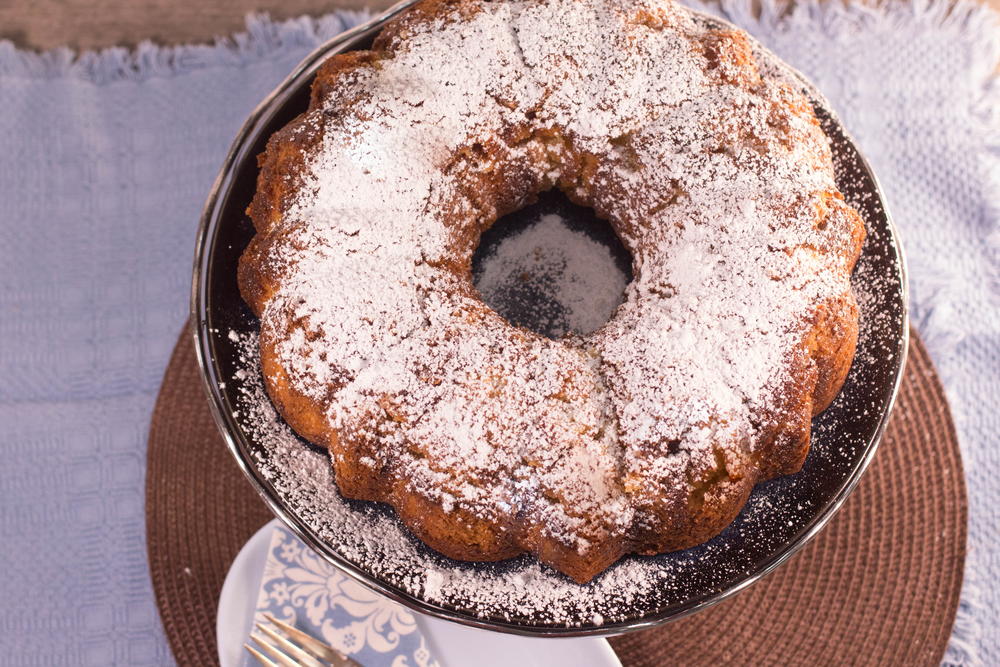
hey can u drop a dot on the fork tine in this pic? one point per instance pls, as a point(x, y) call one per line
point(283, 660)
point(313, 645)
point(261, 658)
point(289, 648)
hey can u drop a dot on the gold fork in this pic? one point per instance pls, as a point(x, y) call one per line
point(309, 651)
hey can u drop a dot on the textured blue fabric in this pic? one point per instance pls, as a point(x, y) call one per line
point(104, 167)
point(105, 162)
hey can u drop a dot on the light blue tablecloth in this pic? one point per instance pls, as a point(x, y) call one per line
point(105, 161)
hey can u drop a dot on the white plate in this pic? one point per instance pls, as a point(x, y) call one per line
point(452, 644)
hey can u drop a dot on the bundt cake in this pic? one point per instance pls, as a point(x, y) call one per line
point(490, 440)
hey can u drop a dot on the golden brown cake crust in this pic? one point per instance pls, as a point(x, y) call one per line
point(488, 440)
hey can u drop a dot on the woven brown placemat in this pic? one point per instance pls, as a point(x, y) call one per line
point(879, 585)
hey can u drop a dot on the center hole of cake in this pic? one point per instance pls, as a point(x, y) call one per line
point(552, 267)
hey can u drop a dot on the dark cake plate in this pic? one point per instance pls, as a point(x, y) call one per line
point(520, 596)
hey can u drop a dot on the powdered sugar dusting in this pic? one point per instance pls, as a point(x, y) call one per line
point(719, 184)
point(520, 591)
point(378, 544)
point(550, 264)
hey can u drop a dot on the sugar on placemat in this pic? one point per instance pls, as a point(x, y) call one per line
point(299, 587)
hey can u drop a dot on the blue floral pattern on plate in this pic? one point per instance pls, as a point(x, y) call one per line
point(302, 589)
